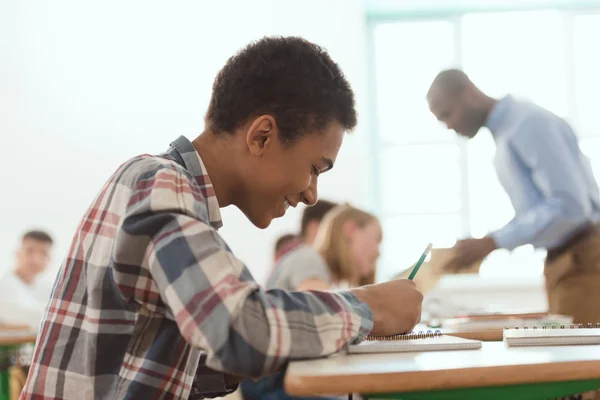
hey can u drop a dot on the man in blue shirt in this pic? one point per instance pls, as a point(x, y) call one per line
point(550, 185)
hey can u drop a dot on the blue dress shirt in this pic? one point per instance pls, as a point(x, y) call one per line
point(548, 179)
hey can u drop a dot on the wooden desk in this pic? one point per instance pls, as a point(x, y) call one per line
point(10, 339)
point(12, 336)
point(493, 372)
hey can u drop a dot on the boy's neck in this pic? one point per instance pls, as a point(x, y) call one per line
point(219, 168)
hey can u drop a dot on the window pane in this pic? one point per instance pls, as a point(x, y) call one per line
point(420, 179)
point(520, 53)
point(587, 64)
point(408, 55)
point(405, 238)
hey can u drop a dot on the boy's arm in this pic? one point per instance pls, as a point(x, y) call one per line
point(215, 302)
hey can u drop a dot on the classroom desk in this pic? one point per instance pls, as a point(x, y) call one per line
point(493, 372)
point(12, 337)
point(10, 340)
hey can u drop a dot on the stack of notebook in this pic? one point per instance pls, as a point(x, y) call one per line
point(504, 320)
point(552, 336)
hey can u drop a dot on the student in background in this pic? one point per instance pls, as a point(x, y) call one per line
point(285, 244)
point(311, 219)
point(349, 240)
point(309, 224)
point(344, 255)
point(151, 302)
point(549, 182)
point(23, 294)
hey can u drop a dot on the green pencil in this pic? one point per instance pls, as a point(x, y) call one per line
point(420, 262)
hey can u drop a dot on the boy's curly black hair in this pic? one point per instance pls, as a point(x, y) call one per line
point(289, 78)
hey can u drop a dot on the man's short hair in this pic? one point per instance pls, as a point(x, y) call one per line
point(315, 213)
point(450, 82)
point(289, 78)
point(40, 236)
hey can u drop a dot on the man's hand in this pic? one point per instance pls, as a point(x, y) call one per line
point(396, 306)
point(468, 251)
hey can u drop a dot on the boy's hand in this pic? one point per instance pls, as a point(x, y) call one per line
point(396, 306)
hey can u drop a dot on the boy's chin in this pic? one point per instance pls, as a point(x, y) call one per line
point(261, 221)
point(262, 218)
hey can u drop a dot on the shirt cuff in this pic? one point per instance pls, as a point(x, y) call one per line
point(505, 239)
point(363, 311)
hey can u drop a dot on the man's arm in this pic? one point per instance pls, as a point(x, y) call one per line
point(214, 299)
point(544, 149)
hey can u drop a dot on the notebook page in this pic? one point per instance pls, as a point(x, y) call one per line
point(436, 343)
point(551, 337)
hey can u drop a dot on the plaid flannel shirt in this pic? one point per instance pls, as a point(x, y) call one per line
point(150, 302)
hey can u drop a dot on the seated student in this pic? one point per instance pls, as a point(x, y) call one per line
point(151, 302)
point(23, 291)
point(285, 244)
point(311, 219)
point(344, 254)
point(309, 224)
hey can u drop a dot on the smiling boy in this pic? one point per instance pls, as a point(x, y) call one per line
point(150, 301)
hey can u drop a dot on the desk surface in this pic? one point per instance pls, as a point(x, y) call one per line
point(12, 336)
point(492, 365)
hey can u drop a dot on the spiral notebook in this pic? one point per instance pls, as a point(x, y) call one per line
point(501, 321)
point(413, 342)
point(552, 336)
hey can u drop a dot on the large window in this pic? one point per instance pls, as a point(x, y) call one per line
point(433, 186)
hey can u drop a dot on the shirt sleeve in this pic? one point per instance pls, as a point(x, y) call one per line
point(545, 151)
point(302, 264)
point(212, 296)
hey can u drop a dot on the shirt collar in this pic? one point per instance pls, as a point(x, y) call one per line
point(498, 114)
point(184, 152)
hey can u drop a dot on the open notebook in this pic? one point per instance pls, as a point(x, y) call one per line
point(413, 342)
point(551, 337)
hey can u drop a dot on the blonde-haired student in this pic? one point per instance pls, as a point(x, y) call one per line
point(348, 240)
point(344, 255)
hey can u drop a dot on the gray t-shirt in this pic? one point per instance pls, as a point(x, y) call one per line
point(300, 264)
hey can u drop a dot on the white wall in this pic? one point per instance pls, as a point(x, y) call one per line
point(84, 86)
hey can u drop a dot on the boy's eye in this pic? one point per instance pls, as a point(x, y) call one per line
point(315, 171)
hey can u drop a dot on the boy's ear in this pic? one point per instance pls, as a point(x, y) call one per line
point(261, 134)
